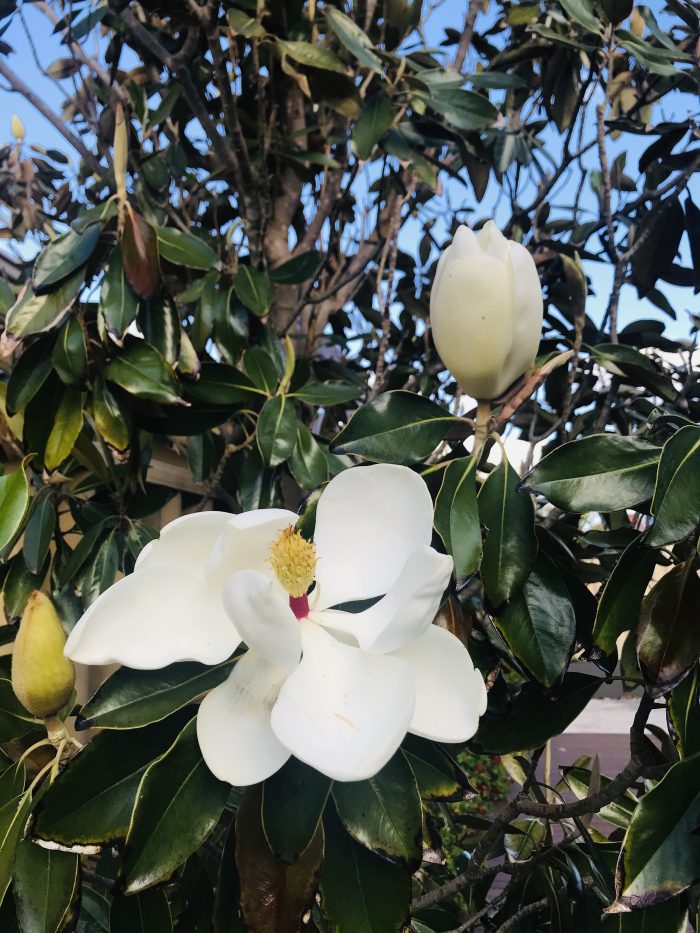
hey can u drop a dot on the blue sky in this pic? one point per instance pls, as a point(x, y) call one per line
point(457, 196)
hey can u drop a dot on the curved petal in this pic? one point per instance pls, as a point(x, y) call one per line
point(369, 520)
point(450, 693)
point(233, 723)
point(259, 609)
point(153, 618)
point(185, 542)
point(407, 610)
point(343, 711)
point(528, 313)
point(244, 543)
point(492, 242)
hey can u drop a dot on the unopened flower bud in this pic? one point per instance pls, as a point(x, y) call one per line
point(17, 128)
point(486, 310)
point(42, 678)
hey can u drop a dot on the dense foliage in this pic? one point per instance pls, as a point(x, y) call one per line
point(236, 278)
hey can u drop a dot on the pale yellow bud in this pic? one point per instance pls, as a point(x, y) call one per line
point(637, 24)
point(293, 559)
point(17, 128)
point(42, 678)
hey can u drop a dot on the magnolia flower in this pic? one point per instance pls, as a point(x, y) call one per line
point(486, 310)
point(337, 689)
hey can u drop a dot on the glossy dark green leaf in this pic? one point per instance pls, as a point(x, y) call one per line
point(376, 118)
point(676, 502)
point(261, 369)
point(276, 431)
point(29, 374)
point(100, 570)
point(531, 835)
point(457, 516)
point(311, 55)
point(63, 257)
point(332, 392)
point(667, 917)
point(38, 532)
point(254, 290)
point(539, 624)
point(110, 420)
point(145, 912)
point(582, 12)
point(359, 891)
point(384, 813)
point(143, 372)
point(70, 353)
point(438, 777)
point(12, 778)
point(67, 424)
point(684, 714)
point(14, 503)
point(297, 270)
point(219, 384)
point(140, 256)
point(91, 800)
point(617, 10)
point(13, 818)
point(178, 803)
point(225, 916)
point(465, 109)
point(661, 852)
point(599, 473)
point(354, 39)
point(46, 888)
point(33, 314)
point(274, 895)
point(620, 602)
point(159, 322)
point(15, 721)
point(185, 249)
point(634, 368)
point(94, 912)
point(293, 800)
point(534, 716)
point(308, 463)
point(131, 699)
point(396, 427)
point(618, 812)
point(668, 638)
point(118, 302)
point(510, 545)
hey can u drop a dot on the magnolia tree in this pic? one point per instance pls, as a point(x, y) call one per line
point(251, 257)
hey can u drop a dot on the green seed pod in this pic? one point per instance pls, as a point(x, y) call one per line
point(42, 677)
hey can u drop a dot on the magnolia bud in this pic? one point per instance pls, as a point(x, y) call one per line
point(42, 677)
point(486, 310)
point(17, 128)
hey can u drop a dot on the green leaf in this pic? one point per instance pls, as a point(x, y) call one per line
point(359, 891)
point(522, 845)
point(131, 699)
point(384, 813)
point(185, 249)
point(276, 430)
point(140, 256)
point(63, 257)
point(110, 420)
point(297, 270)
point(396, 427)
point(603, 472)
point(46, 888)
point(333, 392)
point(143, 372)
point(178, 803)
point(118, 303)
point(219, 384)
point(145, 912)
point(293, 800)
point(634, 369)
point(676, 502)
point(618, 812)
point(534, 716)
point(437, 775)
point(91, 800)
point(274, 895)
point(33, 314)
point(668, 639)
point(254, 290)
point(245, 25)
point(661, 851)
point(14, 503)
point(67, 425)
point(261, 369)
point(464, 109)
point(13, 817)
point(353, 38)
point(308, 464)
point(160, 325)
point(94, 912)
point(70, 353)
point(29, 373)
point(38, 532)
point(15, 721)
point(684, 715)
point(101, 569)
point(227, 895)
point(510, 545)
point(376, 118)
point(306, 53)
point(581, 11)
point(457, 517)
point(620, 601)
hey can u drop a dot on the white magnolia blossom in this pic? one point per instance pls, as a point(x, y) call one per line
point(486, 310)
point(337, 689)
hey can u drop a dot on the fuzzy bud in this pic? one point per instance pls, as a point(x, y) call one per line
point(42, 678)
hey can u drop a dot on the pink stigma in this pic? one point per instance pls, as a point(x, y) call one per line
point(299, 606)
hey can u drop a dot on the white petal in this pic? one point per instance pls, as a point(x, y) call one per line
point(528, 313)
point(368, 521)
point(259, 608)
point(407, 610)
point(343, 711)
point(450, 693)
point(492, 242)
point(464, 243)
point(244, 543)
point(185, 542)
point(153, 618)
point(233, 723)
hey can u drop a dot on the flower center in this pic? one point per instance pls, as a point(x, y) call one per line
point(293, 559)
